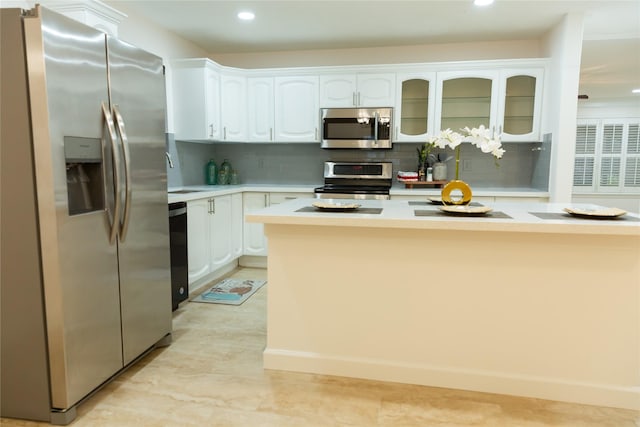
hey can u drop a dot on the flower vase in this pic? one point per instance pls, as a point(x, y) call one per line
point(455, 186)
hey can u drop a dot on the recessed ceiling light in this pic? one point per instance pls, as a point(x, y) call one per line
point(246, 16)
point(635, 91)
point(482, 2)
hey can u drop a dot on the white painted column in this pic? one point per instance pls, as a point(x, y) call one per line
point(564, 46)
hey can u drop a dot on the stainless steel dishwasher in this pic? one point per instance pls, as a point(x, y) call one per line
point(179, 251)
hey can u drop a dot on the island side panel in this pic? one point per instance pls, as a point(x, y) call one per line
point(532, 314)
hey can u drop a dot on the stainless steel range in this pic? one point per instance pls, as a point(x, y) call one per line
point(356, 180)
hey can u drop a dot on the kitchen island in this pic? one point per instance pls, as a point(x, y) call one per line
point(525, 301)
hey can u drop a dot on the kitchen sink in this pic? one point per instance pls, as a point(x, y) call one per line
point(184, 191)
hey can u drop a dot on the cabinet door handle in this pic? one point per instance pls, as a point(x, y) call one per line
point(354, 99)
point(225, 133)
point(270, 134)
point(266, 200)
point(211, 130)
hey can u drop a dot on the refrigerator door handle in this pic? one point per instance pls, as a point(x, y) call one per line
point(124, 140)
point(114, 217)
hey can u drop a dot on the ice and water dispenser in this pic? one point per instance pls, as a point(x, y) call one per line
point(84, 165)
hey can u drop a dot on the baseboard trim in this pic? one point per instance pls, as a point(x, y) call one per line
point(450, 377)
point(253, 261)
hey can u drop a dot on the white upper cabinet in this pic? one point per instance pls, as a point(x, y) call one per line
point(216, 103)
point(233, 89)
point(467, 98)
point(338, 91)
point(297, 111)
point(414, 107)
point(212, 103)
point(260, 108)
point(520, 104)
point(376, 90)
point(196, 97)
point(357, 90)
point(509, 101)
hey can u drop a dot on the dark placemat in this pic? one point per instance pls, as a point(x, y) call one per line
point(562, 215)
point(428, 203)
point(358, 211)
point(492, 214)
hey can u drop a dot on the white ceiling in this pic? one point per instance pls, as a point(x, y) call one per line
point(611, 48)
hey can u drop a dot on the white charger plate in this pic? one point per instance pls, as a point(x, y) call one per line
point(465, 209)
point(596, 213)
point(335, 206)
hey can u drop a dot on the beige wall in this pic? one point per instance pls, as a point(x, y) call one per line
point(513, 49)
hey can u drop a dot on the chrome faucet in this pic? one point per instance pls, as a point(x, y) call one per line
point(168, 156)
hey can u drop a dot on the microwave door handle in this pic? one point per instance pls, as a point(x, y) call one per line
point(375, 127)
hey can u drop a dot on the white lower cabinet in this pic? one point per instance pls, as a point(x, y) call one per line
point(255, 242)
point(220, 231)
point(237, 226)
point(214, 233)
point(198, 219)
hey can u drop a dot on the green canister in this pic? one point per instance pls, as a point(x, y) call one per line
point(224, 174)
point(211, 173)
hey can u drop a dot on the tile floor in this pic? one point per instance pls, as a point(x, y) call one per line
point(212, 375)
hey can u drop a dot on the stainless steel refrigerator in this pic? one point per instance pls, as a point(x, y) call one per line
point(85, 277)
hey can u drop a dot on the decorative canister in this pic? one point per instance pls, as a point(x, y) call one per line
point(224, 174)
point(439, 171)
point(211, 173)
point(233, 178)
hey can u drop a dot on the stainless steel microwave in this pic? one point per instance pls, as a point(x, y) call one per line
point(365, 128)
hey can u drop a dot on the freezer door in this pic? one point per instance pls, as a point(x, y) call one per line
point(138, 102)
point(67, 72)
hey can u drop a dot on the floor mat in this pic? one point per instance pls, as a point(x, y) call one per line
point(230, 291)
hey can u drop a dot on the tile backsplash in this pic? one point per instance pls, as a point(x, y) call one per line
point(524, 165)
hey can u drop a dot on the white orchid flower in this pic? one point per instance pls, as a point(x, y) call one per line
point(452, 139)
point(478, 133)
point(498, 152)
point(480, 137)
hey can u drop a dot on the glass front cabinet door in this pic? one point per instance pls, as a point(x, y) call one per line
point(467, 99)
point(415, 103)
point(520, 104)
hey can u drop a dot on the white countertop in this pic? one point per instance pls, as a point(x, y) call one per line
point(400, 214)
point(204, 191)
point(399, 189)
